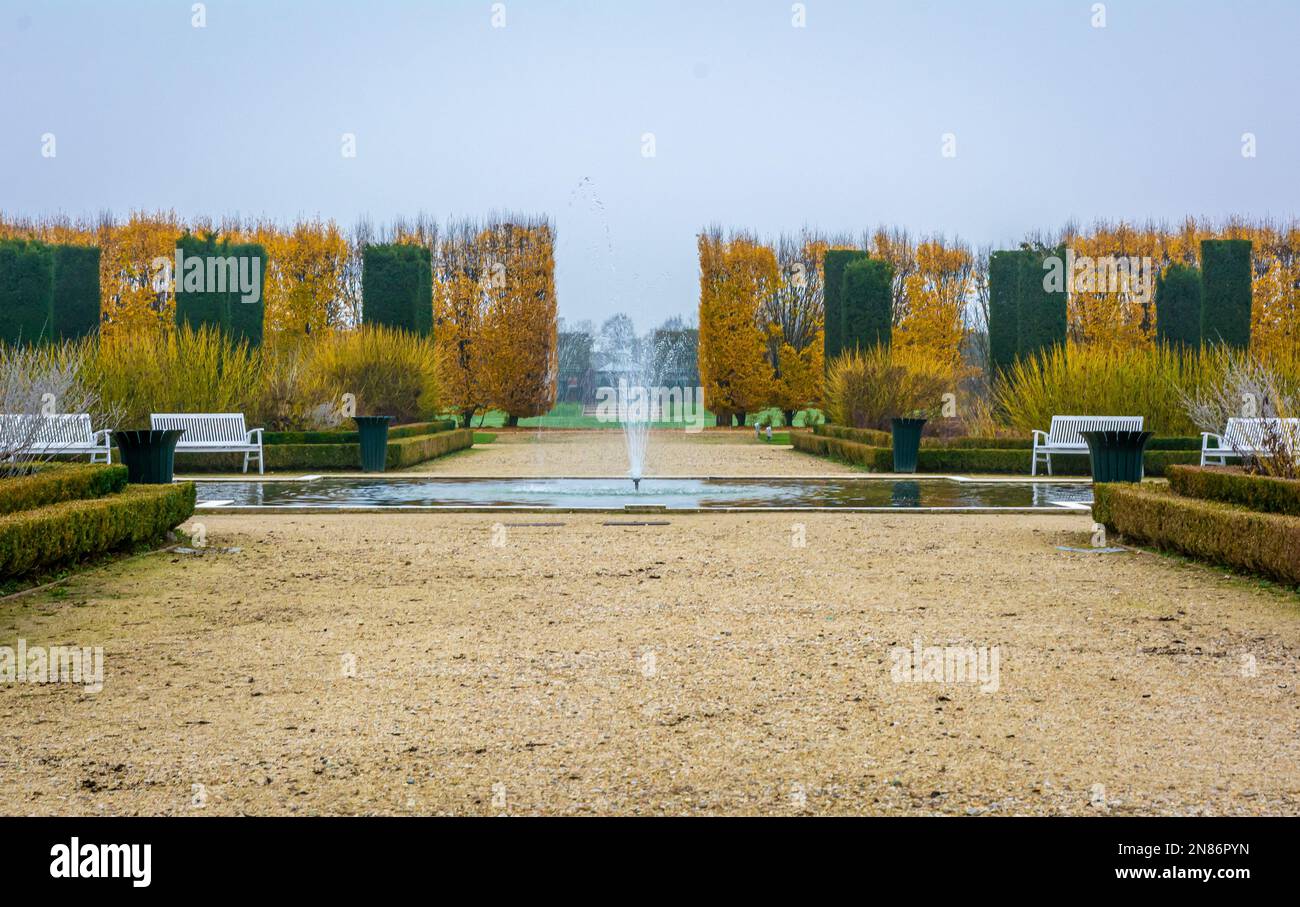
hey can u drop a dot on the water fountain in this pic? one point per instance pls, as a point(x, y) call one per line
point(634, 412)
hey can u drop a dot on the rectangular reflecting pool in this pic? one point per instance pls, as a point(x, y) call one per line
point(617, 494)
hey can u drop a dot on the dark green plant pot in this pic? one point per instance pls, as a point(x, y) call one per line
point(149, 454)
point(374, 441)
point(907, 443)
point(1116, 455)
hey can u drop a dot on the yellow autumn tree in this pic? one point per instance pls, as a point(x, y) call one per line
point(495, 318)
point(793, 316)
point(736, 275)
point(936, 293)
point(519, 324)
point(304, 274)
point(135, 280)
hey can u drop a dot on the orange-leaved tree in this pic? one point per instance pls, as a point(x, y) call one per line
point(736, 274)
point(793, 316)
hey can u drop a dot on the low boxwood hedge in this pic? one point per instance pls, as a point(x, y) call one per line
point(963, 460)
point(1174, 442)
point(860, 435)
point(883, 439)
point(409, 430)
point(52, 483)
point(58, 535)
point(1215, 483)
point(980, 443)
point(402, 451)
point(410, 451)
point(1265, 543)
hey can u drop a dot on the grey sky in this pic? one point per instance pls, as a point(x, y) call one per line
point(756, 123)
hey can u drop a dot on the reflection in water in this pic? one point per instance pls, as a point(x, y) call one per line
point(905, 494)
point(616, 493)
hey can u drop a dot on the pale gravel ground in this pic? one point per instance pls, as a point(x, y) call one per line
point(521, 670)
point(604, 453)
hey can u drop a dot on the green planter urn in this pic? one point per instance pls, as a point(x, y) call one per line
point(907, 443)
point(374, 441)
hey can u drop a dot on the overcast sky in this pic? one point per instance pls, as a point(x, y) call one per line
point(756, 123)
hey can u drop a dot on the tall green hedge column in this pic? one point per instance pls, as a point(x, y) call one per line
point(833, 264)
point(248, 310)
point(1225, 273)
point(1040, 313)
point(397, 286)
point(222, 285)
point(198, 301)
point(1004, 291)
point(26, 291)
point(76, 291)
point(867, 303)
point(1178, 306)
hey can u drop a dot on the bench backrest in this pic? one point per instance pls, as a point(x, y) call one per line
point(203, 428)
point(51, 432)
point(1261, 434)
point(1065, 429)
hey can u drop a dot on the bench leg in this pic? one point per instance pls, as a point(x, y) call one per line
point(1033, 466)
point(245, 461)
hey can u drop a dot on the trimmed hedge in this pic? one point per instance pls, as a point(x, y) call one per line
point(221, 308)
point(1175, 442)
point(1040, 313)
point(867, 304)
point(397, 286)
point(1004, 291)
point(402, 452)
point(247, 319)
point(62, 534)
point(62, 482)
point(1178, 306)
point(833, 264)
point(861, 435)
point(1225, 274)
point(410, 451)
point(351, 437)
point(883, 439)
point(76, 291)
point(1266, 543)
point(980, 443)
point(196, 307)
point(972, 460)
point(1216, 483)
point(26, 291)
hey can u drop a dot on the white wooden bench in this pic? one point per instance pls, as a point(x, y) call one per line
point(1250, 438)
point(1064, 436)
point(65, 433)
point(213, 433)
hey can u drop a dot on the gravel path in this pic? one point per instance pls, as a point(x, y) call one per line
point(407, 664)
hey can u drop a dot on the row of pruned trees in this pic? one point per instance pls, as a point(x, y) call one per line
point(491, 288)
point(763, 312)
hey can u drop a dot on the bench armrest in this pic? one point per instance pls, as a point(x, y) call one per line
point(1205, 439)
point(1038, 433)
point(106, 433)
point(255, 431)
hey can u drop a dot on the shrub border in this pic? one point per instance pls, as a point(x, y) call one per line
point(62, 534)
point(56, 482)
point(1265, 543)
point(1010, 461)
point(402, 452)
point(1265, 494)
